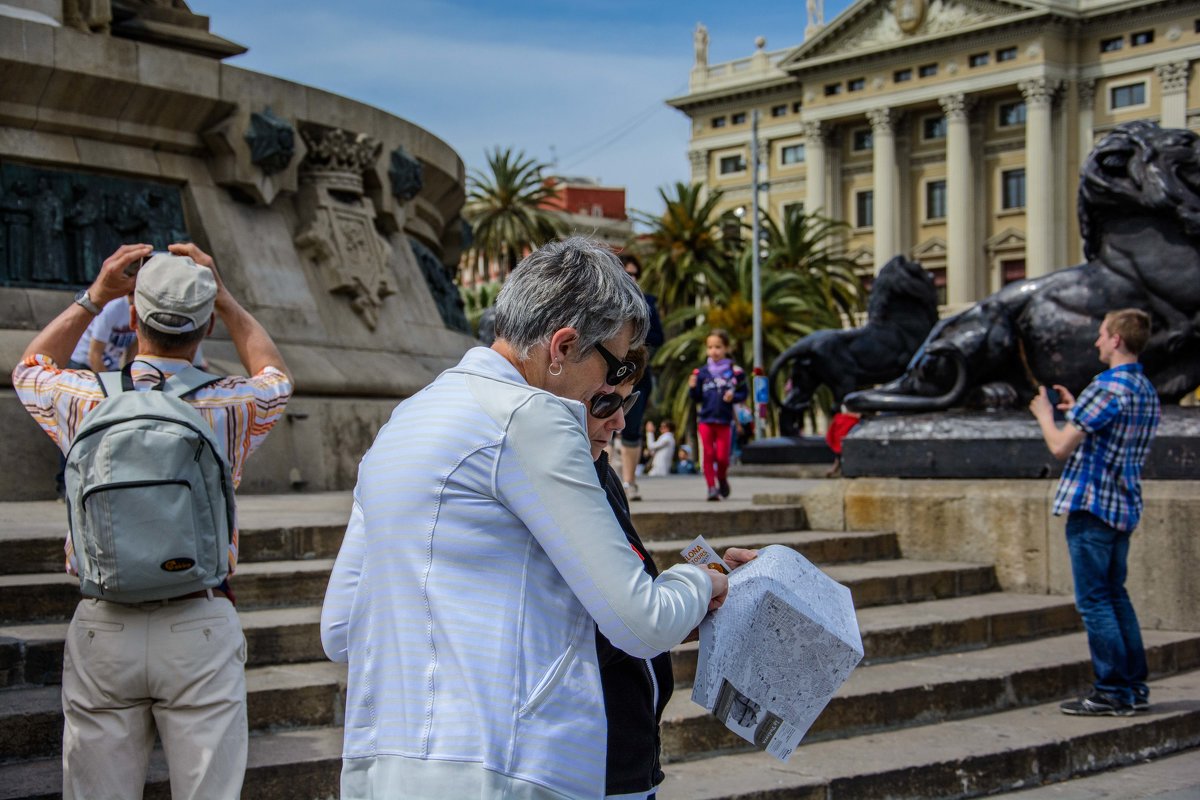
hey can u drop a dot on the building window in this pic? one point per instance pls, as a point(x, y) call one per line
point(1012, 189)
point(978, 60)
point(927, 70)
point(1112, 45)
point(1012, 270)
point(718, 122)
point(1012, 114)
point(862, 140)
point(933, 127)
point(1140, 38)
point(902, 75)
point(1133, 94)
point(1006, 54)
point(796, 106)
point(832, 88)
point(935, 200)
point(792, 209)
point(732, 164)
point(779, 111)
point(791, 154)
point(857, 84)
point(739, 118)
point(864, 208)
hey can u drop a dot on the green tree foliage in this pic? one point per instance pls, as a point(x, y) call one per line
point(684, 245)
point(477, 300)
point(806, 286)
point(504, 208)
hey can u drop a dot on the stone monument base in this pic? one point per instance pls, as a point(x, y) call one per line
point(1000, 444)
point(788, 450)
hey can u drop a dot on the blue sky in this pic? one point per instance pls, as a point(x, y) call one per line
point(580, 80)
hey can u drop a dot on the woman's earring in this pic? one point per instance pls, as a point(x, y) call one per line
point(551, 369)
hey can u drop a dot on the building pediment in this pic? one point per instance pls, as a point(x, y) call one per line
point(872, 24)
point(931, 249)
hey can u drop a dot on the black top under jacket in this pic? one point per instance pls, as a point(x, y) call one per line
point(633, 740)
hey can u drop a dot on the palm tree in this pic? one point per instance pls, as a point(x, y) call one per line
point(806, 286)
point(685, 242)
point(810, 244)
point(504, 207)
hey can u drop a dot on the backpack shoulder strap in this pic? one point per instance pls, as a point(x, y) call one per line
point(110, 383)
point(188, 380)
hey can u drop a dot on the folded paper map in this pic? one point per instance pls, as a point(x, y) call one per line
point(773, 655)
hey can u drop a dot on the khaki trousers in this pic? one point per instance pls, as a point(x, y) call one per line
point(128, 670)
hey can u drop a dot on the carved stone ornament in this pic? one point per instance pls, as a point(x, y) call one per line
point(1087, 93)
point(814, 132)
point(907, 18)
point(405, 174)
point(881, 119)
point(1039, 91)
point(272, 142)
point(1174, 77)
point(337, 221)
point(910, 14)
point(955, 106)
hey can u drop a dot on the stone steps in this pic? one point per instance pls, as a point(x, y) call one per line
point(929, 690)
point(33, 653)
point(282, 765)
point(913, 630)
point(279, 533)
point(955, 759)
point(820, 547)
point(944, 648)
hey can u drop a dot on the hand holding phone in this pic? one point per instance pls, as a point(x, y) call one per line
point(1055, 398)
point(132, 268)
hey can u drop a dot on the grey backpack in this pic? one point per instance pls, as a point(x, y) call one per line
point(150, 493)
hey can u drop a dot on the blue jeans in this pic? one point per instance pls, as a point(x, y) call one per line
point(1098, 560)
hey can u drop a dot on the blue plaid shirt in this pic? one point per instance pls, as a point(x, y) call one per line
point(1119, 412)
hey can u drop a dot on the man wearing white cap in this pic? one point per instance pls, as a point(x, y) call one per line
point(175, 665)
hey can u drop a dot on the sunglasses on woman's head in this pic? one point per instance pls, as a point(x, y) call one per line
point(605, 405)
point(618, 370)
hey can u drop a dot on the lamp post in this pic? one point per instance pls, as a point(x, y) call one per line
point(760, 392)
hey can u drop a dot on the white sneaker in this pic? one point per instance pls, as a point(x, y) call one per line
point(631, 491)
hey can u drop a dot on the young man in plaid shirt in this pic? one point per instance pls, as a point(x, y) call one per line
point(1109, 430)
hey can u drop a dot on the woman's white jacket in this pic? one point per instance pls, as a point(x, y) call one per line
point(479, 550)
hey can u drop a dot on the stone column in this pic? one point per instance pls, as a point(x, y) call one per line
point(815, 201)
point(1174, 80)
point(699, 162)
point(961, 284)
point(884, 168)
point(1039, 180)
point(1087, 117)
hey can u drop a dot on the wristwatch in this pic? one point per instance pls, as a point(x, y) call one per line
point(85, 300)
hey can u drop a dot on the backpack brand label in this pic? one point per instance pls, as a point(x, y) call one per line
point(178, 564)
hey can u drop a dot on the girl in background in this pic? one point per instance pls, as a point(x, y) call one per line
point(717, 386)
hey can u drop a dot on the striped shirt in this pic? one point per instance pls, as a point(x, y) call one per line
point(1119, 411)
point(240, 410)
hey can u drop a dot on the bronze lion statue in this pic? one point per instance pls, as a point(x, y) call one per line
point(1139, 214)
point(900, 314)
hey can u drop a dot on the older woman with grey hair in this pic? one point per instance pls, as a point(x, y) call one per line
point(481, 548)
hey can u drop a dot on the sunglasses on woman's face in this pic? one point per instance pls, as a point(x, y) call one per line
point(605, 405)
point(618, 370)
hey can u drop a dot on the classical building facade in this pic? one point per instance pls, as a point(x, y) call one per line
point(952, 131)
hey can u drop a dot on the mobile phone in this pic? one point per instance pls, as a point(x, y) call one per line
point(1053, 396)
point(132, 268)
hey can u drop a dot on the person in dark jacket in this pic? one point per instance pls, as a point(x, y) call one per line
point(636, 690)
point(631, 436)
point(717, 387)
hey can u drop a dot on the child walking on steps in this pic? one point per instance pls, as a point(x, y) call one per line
point(717, 386)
